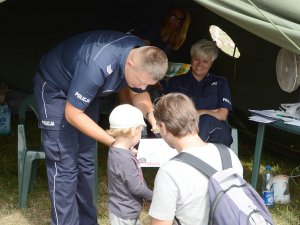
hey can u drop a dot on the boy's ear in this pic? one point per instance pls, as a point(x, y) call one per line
point(135, 130)
point(163, 129)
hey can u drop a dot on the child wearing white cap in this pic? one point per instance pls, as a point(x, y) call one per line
point(126, 186)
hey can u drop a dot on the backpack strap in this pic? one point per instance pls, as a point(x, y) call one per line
point(202, 166)
point(225, 156)
point(195, 162)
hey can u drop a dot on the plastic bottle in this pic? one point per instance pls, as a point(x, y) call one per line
point(5, 119)
point(267, 187)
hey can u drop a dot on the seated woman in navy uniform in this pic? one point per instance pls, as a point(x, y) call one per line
point(209, 92)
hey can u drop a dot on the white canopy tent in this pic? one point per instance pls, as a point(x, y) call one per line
point(276, 21)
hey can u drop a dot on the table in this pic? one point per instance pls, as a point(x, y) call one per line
point(259, 144)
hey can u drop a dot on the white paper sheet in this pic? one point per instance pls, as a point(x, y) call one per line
point(260, 119)
point(269, 116)
point(153, 152)
point(293, 122)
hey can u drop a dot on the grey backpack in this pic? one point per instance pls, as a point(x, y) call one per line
point(232, 200)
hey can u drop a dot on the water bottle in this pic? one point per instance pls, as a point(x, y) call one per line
point(5, 119)
point(267, 187)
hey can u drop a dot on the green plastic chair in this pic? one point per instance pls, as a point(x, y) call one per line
point(27, 157)
point(235, 139)
point(235, 145)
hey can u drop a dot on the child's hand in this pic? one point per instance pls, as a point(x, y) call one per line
point(134, 150)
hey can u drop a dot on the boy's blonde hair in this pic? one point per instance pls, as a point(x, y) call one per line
point(122, 132)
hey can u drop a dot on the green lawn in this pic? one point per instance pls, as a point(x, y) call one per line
point(37, 211)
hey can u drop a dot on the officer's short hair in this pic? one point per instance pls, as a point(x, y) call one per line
point(154, 61)
point(204, 48)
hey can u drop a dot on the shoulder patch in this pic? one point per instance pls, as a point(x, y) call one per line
point(226, 100)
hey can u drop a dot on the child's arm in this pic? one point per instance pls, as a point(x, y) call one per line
point(135, 181)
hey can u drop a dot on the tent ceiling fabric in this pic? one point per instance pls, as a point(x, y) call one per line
point(255, 19)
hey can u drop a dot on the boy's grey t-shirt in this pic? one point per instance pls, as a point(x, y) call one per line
point(126, 185)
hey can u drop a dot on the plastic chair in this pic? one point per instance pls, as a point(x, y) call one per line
point(234, 145)
point(235, 138)
point(26, 157)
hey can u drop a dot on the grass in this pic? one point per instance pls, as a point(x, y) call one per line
point(38, 205)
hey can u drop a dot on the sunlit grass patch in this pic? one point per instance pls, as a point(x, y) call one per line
point(38, 204)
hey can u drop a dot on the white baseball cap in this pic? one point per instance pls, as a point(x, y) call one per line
point(126, 116)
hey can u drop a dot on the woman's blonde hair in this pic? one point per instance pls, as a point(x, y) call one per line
point(204, 48)
point(175, 40)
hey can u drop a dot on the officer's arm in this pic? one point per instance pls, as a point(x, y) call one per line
point(220, 114)
point(144, 103)
point(86, 125)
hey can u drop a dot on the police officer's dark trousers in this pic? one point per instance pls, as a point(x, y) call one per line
point(69, 159)
point(213, 130)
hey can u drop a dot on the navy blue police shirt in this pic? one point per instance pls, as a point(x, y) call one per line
point(88, 65)
point(210, 93)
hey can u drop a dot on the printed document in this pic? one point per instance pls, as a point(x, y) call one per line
point(153, 152)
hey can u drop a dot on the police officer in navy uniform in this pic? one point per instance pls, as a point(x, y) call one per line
point(69, 79)
point(210, 93)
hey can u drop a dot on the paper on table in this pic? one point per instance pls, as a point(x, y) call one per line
point(261, 119)
point(153, 152)
point(269, 116)
point(293, 122)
